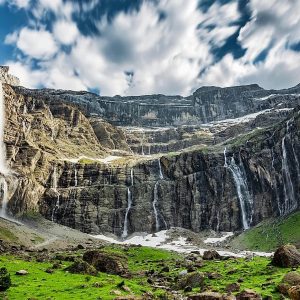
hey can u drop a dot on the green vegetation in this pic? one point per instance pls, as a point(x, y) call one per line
point(256, 274)
point(270, 234)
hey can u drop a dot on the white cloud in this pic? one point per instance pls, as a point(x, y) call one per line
point(165, 55)
point(29, 78)
point(65, 32)
point(18, 3)
point(37, 44)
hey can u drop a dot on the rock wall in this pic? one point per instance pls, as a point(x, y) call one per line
point(205, 105)
point(196, 192)
point(53, 144)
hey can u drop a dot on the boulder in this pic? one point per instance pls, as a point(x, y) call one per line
point(294, 292)
point(233, 287)
point(286, 256)
point(22, 272)
point(193, 280)
point(107, 262)
point(82, 267)
point(211, 254)
point(290, 279)
point(248, 294)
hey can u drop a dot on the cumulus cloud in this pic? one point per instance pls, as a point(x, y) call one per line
point(37, 44)
point(65, 32)
point(163, 47)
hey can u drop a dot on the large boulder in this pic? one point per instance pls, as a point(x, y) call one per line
point(82, 267)
point(294, 292)
point(193, 280)
point(211, 254)
point(107, 262)
point(286, 256)
point(290, 279)
point(248, 294)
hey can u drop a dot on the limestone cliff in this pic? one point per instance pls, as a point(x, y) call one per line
point(77, 168)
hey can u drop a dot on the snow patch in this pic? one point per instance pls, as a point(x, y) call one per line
point(220, 239)
point(180, 245)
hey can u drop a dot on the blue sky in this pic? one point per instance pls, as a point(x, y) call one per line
point(132, 47)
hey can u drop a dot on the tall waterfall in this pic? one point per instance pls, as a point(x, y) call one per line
point(245, 199)
point(4, 171)
point(54, 187)
point(129, 204)
point(75, 176)
point(154, 203)
point(155, 200)
point(161, 175)
point(290, 201)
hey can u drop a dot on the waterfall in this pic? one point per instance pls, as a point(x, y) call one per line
point(245, 199)
point(75, 176)
point(4, 171)
point(54, 187)
point(129, 204)
point(161, 175)
point(155, 199)
point(154, 203)
point(290, 201)
point(4, 196)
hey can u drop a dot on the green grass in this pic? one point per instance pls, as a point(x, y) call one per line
point(257, 274)
point(270, 234)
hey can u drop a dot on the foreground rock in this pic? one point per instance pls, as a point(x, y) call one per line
point(22, 272)
point(286, 256)
point(82, 267)
point(211, 254)
point(294, 292)
point(289, 280)
point(248, 294)
point(107, 262)
point(193, 280)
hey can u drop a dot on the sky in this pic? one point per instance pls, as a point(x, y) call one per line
point(134, 47)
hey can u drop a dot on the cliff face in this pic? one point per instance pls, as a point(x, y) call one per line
point(79, 170)
point(207, 104)
point(194, 190)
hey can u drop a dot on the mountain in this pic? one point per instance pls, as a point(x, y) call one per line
point(222, 159)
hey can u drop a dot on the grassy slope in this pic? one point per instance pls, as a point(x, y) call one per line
point(270, 234)
point(62, 285)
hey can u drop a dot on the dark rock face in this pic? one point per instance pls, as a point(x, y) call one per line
point(286, 256)
point(196, 188)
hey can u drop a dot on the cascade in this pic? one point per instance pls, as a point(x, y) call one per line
point(290, 201)
point(161, 175)
point(4, 171)
point(75, 176)
point(245, 199)
point(155, 199)
point(154, 203)
point(4, 196)
point(54, 187)
point(129, 204)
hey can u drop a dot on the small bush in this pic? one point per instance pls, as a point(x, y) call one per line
point(5, 281)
